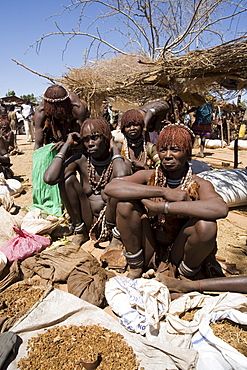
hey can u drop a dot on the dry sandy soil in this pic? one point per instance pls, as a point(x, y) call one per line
point(232, 243)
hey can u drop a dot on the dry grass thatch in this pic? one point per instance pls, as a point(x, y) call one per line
point(109, 78)
point(131, 79)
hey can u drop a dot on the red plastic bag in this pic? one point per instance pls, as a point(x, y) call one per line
point(24, 245)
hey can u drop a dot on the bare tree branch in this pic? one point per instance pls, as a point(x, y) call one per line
point(53, 80)
point(148, 27)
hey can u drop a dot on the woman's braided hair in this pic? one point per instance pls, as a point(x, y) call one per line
point(177, 134)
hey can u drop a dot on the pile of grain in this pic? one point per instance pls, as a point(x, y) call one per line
point(63, 348)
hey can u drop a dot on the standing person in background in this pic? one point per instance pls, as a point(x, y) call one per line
point(202, 125)
point(20, 122)
point(12, 118)
point(27, 112)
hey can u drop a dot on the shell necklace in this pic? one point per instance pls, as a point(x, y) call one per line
point(161, 180)
point(95, 185)
point(126, 146)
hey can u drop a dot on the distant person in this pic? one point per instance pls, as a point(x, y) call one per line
point(20, 122)
point(27, 112)
point(202, 125)
point(4, 148)
point(3, 109)
point(7, 135)
point(12, 118)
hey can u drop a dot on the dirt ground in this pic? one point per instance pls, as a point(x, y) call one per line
point(232, 231)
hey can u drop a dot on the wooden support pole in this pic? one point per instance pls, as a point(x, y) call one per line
point(236, 153)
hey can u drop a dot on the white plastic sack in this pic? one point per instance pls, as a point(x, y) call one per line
point(230, 184)
point(37, 221)
point(242, 144)
point(9, 186)
point(215, 143)
point(209, 304)
point(214, 353)
point(64, 309)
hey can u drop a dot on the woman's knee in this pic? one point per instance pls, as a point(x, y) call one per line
point(206, 230)
point(126, 209)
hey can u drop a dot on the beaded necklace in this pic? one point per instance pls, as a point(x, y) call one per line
point(126, 150)
point(96, 186)
point(161, 180)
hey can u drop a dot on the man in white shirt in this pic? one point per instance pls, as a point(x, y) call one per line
point(27, 112)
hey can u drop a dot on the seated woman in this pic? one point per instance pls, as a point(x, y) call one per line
point(6, 146)
point(168, 211)
point(85, 200)
point(141, 154)
point(8, 135)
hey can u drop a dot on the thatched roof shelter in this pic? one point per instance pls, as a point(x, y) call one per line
point(136, 80)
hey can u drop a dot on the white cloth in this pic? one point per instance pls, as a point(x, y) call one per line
point(19, 116)
point(27, 110)
point(140, 303)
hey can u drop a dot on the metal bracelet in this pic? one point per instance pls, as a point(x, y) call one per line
point(166, 210)
point(59, 156)
point(117, 156)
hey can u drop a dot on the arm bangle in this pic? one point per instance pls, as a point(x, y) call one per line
point(59, 155)
point(117, 156)
point(166, 207)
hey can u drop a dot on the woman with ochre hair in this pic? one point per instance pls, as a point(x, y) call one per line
point(169, 214)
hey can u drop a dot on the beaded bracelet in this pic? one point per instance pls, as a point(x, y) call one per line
point(117, 156)
point(166, 207)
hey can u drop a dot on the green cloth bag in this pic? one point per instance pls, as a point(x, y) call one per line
point(45, 197)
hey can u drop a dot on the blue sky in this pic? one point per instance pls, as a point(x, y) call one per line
point(22, 22)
